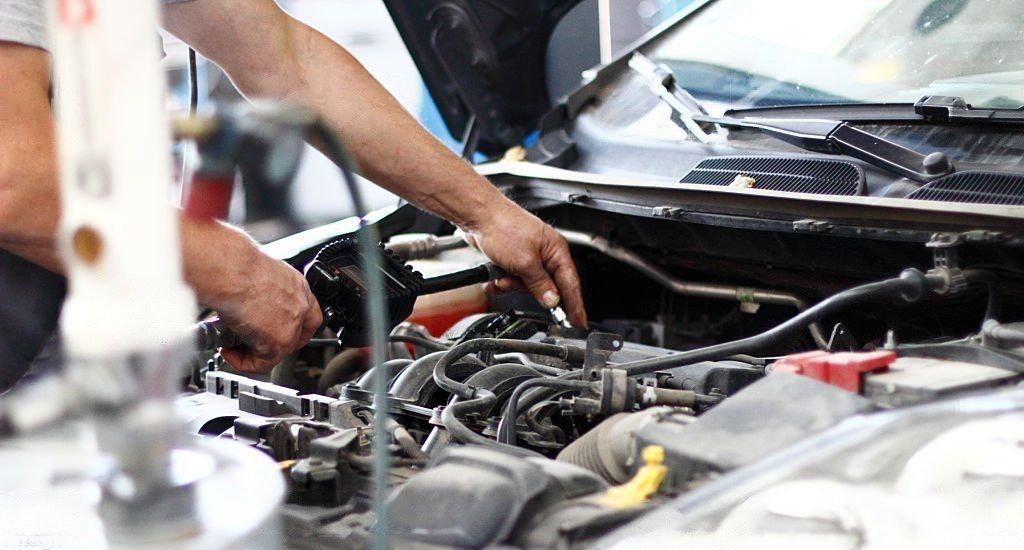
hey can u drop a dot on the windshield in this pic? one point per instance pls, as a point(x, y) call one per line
point(757, 53)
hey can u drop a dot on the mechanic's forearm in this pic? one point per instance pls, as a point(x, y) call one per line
point(269, 54)
point(391, 147)
point(215, 256)
point(216, 259)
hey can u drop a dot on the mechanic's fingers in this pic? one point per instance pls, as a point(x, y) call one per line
point(506, 284)
point(311, 322)
point(540, 285)
point(563, 269)
point(314, 320)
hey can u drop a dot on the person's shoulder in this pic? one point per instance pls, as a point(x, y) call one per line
point(24, 22)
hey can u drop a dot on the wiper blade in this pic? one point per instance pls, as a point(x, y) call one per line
point(956, 109)
point(685, 107)
point(838, 137)
point(935, 109)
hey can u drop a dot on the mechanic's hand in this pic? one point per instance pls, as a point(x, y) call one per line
point(273, 312)
point(535, 253)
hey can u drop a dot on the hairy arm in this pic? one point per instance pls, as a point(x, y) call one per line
point(269, 54)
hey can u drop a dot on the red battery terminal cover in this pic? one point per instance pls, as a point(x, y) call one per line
point(844, 370)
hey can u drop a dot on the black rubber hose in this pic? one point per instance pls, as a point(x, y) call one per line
point(570, 354)
point(508, 422)
point(528, 400)
point(461, 433)
point(910, 286)
point(425, 343)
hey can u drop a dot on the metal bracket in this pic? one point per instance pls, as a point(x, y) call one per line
point(600, 346)
point(946, 258)
point(670, 212)
point(813, 226)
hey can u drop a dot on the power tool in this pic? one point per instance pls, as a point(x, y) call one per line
point(336, 278)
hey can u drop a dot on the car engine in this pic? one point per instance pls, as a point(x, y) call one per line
point(509, 428)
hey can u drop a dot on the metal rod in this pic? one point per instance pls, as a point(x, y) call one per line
point(688, 288)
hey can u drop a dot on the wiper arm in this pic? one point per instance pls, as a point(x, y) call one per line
point(684, 106)
point(837, 137)
point(823, 136)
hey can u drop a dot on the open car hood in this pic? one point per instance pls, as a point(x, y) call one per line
point(483, 60)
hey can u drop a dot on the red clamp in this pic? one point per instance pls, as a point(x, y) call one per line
point(843, 370)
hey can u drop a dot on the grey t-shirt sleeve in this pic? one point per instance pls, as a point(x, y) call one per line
point(24, 22)
point(27, 22)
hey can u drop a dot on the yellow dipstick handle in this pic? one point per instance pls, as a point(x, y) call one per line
point(644, 484)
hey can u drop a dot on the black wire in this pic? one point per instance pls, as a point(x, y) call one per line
point(371, 252)
point(910, 286)
point(193, 83)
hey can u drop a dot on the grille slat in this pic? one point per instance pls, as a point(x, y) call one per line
point(793, 175)
point(974, 187)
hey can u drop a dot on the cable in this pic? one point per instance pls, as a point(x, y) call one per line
point(375, 313)
point(193, 83)
point(910, 286)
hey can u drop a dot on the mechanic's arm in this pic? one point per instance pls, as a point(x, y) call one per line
point(265, 301)
point(269, 54)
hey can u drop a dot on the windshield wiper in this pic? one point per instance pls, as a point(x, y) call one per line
point(820, 136)
point(936, 109)
point(839, 138)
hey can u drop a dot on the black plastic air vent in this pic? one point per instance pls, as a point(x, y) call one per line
point(974, 187)
point(795, 175)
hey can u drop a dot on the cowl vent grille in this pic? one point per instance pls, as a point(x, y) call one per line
point(974, 187)
point(794, 175)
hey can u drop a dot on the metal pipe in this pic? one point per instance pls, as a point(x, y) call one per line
point(689, 288)
point(427, 246)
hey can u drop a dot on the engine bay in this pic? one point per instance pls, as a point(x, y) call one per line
point(508, 427)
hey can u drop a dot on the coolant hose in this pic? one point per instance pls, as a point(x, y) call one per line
point(569, 354)
point(910, 287)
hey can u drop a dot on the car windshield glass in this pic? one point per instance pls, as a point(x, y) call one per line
point(753, 53)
